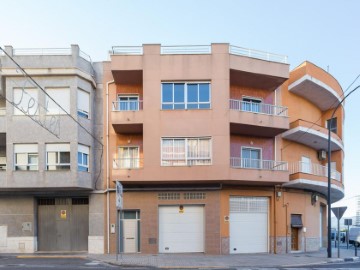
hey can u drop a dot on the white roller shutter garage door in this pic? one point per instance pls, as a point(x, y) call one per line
point(181, 230)
point(249, 224)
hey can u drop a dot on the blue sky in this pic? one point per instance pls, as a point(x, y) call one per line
point(325, 32)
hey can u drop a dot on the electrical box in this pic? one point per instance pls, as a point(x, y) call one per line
point(112, 228)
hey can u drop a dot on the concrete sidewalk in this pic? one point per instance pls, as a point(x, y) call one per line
point(176, 261)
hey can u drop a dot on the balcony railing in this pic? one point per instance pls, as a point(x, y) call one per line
point(314, 169)
point(2, 111)
point(247, 163)
point(189, 49)
point(127, 163)
point(43, 51)
point(127, 105)
point(186, 161)
point(262, 108)
point(127, 50)
point(258, 54)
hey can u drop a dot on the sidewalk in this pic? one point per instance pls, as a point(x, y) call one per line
point(174, 261)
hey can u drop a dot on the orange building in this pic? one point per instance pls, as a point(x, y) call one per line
point(219, 150)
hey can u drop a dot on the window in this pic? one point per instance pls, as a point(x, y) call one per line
point(185, 151)
point(128, 157)
point(83, 158)
point(333, 127)
point(58, 156)
point(250, 157)
point(62, 97)
point(26, 100)
point(183, 96)
point(305, 164)
point(251, 104)
point(128, 103)
point(26, 157)
point(83, 103)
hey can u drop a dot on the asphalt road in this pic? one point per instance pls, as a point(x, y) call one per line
point(53, 263)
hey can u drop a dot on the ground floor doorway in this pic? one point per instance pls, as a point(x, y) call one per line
point(63, 224)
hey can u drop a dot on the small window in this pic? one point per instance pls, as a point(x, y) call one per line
point(83, 158)
point(62, 97)
point(128, 158)
point(26, 100)
point(58, 156)
point(251, 104)
point(83, 103)
point(251, 157)
point(128, 103)
point(26, 157)
point(333, 127)
point(296, 221)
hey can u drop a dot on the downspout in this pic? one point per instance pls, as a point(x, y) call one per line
point(275, 199)
point(107, 167)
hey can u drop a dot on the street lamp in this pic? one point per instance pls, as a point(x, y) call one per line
point(329, 169)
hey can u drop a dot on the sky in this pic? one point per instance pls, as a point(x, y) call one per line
point(325, 32)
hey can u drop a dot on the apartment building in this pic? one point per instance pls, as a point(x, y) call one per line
point(50, 151)
point(219, 150)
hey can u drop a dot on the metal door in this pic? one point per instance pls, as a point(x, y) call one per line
point(63, 224)
point(130, 235)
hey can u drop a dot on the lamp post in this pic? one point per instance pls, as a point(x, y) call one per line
point(329, 169)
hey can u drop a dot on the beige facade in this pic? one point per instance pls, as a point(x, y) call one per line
point(211, 137)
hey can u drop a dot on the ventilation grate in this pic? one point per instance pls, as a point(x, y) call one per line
point(248, 204)
point(195, 196)
point(169, 196)
point(80, 201)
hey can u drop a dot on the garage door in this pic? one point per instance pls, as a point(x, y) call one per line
point(249, 224)
point(181, 229)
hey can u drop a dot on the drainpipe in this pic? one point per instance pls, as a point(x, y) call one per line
point(107, 167)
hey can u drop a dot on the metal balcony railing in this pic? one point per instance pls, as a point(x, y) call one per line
point(43, 51)
point(262, 108)
point(187, 49)
point(260, 164)
point(127, 105)
point(127, 163)
point(127, 50)
point(314, 169)
point(258, 54)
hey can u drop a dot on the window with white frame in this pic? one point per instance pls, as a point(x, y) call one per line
point(185, 96)
point(128, 157)
point(251, 104)
point(83, 158)
point(57, 156)
point(26, 100)
point(185, 151)
point(26, 157)
point(61, 96)
point(83, 103)
point(251, 157)
point(128, 103)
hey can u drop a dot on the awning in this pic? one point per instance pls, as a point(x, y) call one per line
point(296, 221)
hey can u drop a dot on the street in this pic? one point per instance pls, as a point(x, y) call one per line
point(54, 263)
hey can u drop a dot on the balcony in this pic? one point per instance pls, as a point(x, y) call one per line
point(315, 85)
point(38, 181)
point(312, 135)
point(127, 163)
point(266, 171)
point(257, 119)
point(127, 116)
point(313, 177)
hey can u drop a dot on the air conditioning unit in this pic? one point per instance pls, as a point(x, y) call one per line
point(321, 154)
